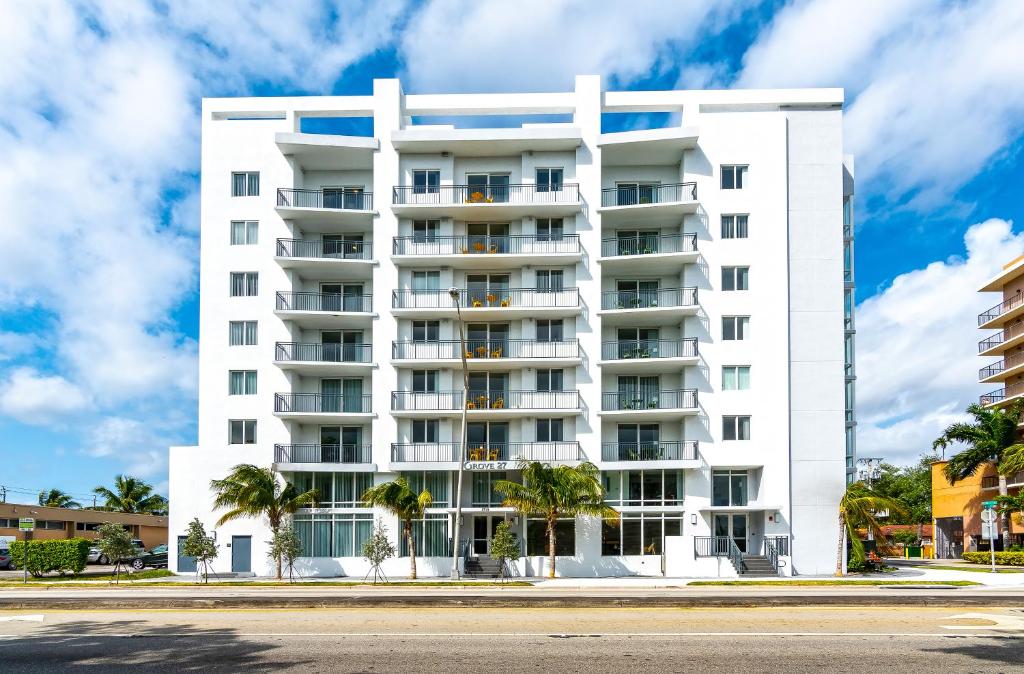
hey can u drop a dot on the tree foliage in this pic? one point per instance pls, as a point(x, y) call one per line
point(909, 486)
point(66, 555)
point(285, 547)
point(131, 495)
point(115, 543)
point(504, 546)
point(201, 547)
point(377, 549)
point(55, 498)
point(398, 498)
point(858, 510)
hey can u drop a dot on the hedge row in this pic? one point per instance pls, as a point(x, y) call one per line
point(1005, 558)
point(67, 555)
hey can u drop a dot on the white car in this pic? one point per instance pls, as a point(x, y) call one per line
point(96, 558)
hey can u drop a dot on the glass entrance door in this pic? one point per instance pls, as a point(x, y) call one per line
point(483, 528)
point(734, 526)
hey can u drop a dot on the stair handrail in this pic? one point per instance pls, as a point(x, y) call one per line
point(771, 551)
point(735, 556)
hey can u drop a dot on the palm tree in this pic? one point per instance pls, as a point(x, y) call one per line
point(398, 498)
point(55, 498)
point(253, 492)
point(991, 438)
point(556, 492)
point(857, 509)
point(1011, 505)
point(131, 495)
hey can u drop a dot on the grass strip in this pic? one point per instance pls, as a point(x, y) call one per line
point(261, 583)
point(825, 583)
point(973, 569)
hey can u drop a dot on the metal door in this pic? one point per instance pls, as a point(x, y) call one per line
point(185, 564)
point(241, 554)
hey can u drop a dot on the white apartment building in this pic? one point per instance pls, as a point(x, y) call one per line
point(672, 304)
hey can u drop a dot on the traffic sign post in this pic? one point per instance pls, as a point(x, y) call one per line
point(990, 529)
point(26, 525)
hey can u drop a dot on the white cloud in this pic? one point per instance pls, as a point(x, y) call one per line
point(938, 87)
point(917, 363)
point(35, 398)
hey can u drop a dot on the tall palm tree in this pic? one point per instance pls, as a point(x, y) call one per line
point(55, 498)
point(253, 492)
point(131, 495)
point(398, 498)
point(556, 492)
point(1011, 505)
point(857, 509)
point(991, 438)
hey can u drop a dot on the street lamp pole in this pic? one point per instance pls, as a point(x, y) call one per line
point(454, 292)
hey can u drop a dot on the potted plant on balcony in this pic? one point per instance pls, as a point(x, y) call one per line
point(652, 403)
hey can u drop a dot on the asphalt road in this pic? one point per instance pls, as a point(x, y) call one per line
point(790, 639)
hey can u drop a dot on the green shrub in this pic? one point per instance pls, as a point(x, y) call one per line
point(67, 555)
point(1005, 558)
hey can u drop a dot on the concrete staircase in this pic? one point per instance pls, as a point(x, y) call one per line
point(482, 567)
point(754, 566)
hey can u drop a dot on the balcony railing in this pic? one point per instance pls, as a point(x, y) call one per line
point(684, 399)
point(649, 348)
point(313, 453)
point(669, 450)
point(1001, 394)
point(495, 297)
point(485, 349)
point(328, 250)
point(452, 195)
point(322, 353)
point(1004, 335)
point(429, 401)
point(415, 401)
point(1009, 362)
point(712, 546)
point(426, 452)
point(529, 451)
point(649, 299)
point(332, 199)
point(520, 244)
point(1000, 309)
point(323, 403)
point(312, 301)
point(634, 195)
point(992, 481)
point(648, 244)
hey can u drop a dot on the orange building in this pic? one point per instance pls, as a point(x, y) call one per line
point(956, 510)
point(75, 523)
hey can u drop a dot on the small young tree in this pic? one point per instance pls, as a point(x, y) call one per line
point(377, 549)
point(200, 547)
point(115, 543)
point(504, 547)
point(285, 547)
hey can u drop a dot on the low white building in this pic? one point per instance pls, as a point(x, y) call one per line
point(670, 304)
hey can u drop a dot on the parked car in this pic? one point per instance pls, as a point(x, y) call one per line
point(154, 559)
point(5, 558)
point(95, 557)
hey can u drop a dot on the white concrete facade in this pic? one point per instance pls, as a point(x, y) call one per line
point(602, 256)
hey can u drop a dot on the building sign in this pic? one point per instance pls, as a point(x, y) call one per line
point(488, 465)
point(26, 524)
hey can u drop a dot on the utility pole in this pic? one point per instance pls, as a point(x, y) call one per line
point(3, 494)
point(454, 292)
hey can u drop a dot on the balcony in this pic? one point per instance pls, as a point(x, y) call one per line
point(323, 359)
point(661, 306)
point(486, 202)
point(1002, 312)
point(492, 354)
point(648, 355)
point(325, 310)
point(327, 458)
point(326, 210)
point(655, 254)
point(1012, 481)
point(330, 260)
point(487, 404)
point(1009, 337)
point(648, 203)
point(652, 405)
point(323, 407)
point(1009, 367)
point(1003, 396)
point(425, 453)
point(488, 456)
point(631, 452)
point(487, 303)
point(488, 252)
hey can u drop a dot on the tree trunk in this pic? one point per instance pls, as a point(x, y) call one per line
point(842, 545)
point(551, 548)
point(1004, 517)
point(412, 550)
point(275, 526)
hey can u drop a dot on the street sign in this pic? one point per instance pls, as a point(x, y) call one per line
point(988, 504)
point(26, 524)
point(988, 515)
point(989, 531)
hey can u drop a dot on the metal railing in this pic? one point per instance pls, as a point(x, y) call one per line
point(314, 453)
point(518, 244)
point(641, 195)
point(324, 198)
point(484, 349)
point(649, 299)
point(322, 353)
point(1000, 309)
point(426, 452)
point(649, 400)
point(1001, 394)
point(781, 544)
point(711, 546)
point(329, 249)
point(419, 401)
point(992, 481)
point(529, 451)
point(451, 195)
point(324, 403)
point(495, 297)
point(649, 348)
point(648, 244)
point(1004, 335)
point(1008, 362)
point(415, 401)
point(313, 301)
point(667, 450)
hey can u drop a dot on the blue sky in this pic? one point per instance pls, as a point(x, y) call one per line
point(99, 206)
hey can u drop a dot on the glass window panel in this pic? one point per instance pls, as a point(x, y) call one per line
point(254, 184)
point(236, 333)
point(237, 233)
point(238, 183)
point(738, 488)
point(720, 489)
point(728, 378)
point(743, 378)
point(741, 226)
point(743, 430)
point(728, 178)
point(611, 539)
point(632, 540)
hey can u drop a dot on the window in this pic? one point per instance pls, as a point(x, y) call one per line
point(643, 487)
point(729, 488)
point(489, 186)
point(735, 427)
point(426, 280)
point(425, 230)
point(735, 377)
point(50, 524)
point(425, 430)
point(426, 331)
point(430, 535)
point(242, 382)
point(245, 184)
point(550, 430)
point(735, 328)
point(537, 537)
point(550, 380)
point(735, 278)
point(639, 533)
point(734, 226)
point(244, 232)
point(484, 493)
point(424, 381)
point(333, 535)
point(337, 490)
point(549, 331)
point(631, 194)
point(241, 333)
point(550, 280)
point(242, 432)
point(87, 526)
point(733, 176)
point(434, 481)
point(549, 229)
point(426, 181)
point(244, 283)
point(549, 180)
